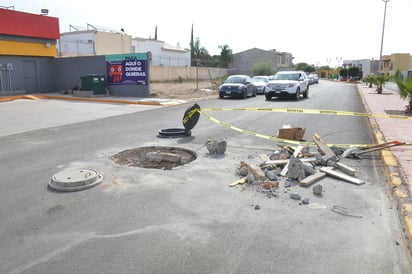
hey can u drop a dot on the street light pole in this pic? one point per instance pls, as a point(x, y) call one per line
point(383, 32)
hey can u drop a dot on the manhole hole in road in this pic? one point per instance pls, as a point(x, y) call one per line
point(154, 157)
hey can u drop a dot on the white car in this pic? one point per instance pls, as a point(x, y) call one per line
point(288, 84)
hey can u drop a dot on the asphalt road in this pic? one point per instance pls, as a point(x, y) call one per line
point(187, 220)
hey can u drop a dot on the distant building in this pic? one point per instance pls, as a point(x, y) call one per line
point(243, 62)
point(93, 40)
point(163, 54)
point(390, 64)
point(397, 61)
point(366, 66)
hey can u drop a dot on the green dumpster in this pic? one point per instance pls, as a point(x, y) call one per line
point(94, 82)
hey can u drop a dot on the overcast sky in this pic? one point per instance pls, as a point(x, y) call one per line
point(313, 31)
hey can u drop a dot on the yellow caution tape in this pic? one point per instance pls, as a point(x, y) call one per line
point(313, 111)
point(294, 110)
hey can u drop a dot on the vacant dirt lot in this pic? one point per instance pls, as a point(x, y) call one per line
point(183, 90)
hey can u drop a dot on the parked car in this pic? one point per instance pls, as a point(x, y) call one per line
point(260, 83)
point(237, 86)
point(288, 84)
point(313, 78)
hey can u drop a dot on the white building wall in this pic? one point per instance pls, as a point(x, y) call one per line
point(76, 43)
point(162, 53)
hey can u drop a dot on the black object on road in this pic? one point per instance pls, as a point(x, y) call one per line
point(190, 119)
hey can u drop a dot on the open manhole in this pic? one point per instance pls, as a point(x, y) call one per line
point(154, 157)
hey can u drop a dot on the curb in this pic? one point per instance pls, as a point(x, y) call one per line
point(57, 97)
point(403, 197)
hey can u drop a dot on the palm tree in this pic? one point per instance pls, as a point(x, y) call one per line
point(369, 80)
point(226, 55)
point(405, 91)
point(381, 79)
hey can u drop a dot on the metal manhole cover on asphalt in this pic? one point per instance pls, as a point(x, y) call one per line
point(75, 179)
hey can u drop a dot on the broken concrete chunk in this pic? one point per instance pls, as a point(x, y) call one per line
point(255, 170)
point(305, 201)
point(216, 146)
point(317, 190)
point(309, 169)
point(295, 169)
point(295, 196)
point(271, 175)
point(251, 179)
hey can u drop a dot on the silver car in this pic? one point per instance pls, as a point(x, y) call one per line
point(260, 83)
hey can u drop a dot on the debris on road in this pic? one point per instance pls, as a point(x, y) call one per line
point(290, 166)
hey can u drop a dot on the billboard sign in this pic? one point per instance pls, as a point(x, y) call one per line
point(127, 69)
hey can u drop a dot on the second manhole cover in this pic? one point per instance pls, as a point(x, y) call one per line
point(75, 179)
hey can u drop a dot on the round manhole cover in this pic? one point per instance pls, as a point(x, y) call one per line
point(154, 157)
point(75, 179)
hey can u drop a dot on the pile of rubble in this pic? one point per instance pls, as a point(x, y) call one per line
point(289, 166)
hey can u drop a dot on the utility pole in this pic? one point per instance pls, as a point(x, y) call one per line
point(383, 32)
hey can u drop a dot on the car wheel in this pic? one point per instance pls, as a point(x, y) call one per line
point(254, 92)
point(221, 96)
point(244, 94)
point(297, 94)
point(306, 95)
point(268, 97)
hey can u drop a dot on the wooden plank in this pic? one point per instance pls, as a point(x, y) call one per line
point(342, 176)
point(312, 179)
point(285, 161)
point(239, 182)
point(323, 147)
point(347, 169)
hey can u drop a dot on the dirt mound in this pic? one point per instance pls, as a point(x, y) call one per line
point(183, 90)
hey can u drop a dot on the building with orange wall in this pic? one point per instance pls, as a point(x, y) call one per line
point(26, 34)
point(27, 48)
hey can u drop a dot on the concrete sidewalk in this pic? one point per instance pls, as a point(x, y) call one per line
point(50, 110)
point(397, 160)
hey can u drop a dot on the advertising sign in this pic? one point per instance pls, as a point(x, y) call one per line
point(127, 69)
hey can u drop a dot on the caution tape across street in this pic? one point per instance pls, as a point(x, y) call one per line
point(294, 110)
point(312, 111)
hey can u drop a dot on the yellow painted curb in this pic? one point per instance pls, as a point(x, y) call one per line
point(407, 207)
point(400, 194)
point(389, 159)
point(408, 222)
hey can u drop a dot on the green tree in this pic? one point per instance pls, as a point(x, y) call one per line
point(398, 75)
point(305, 67)
point(226, 55)
point(354, 72)
point(343, 73)
point(405, 90)
point(199, 53)
point(381, 79)
point(324, 68)
point(262, 68)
